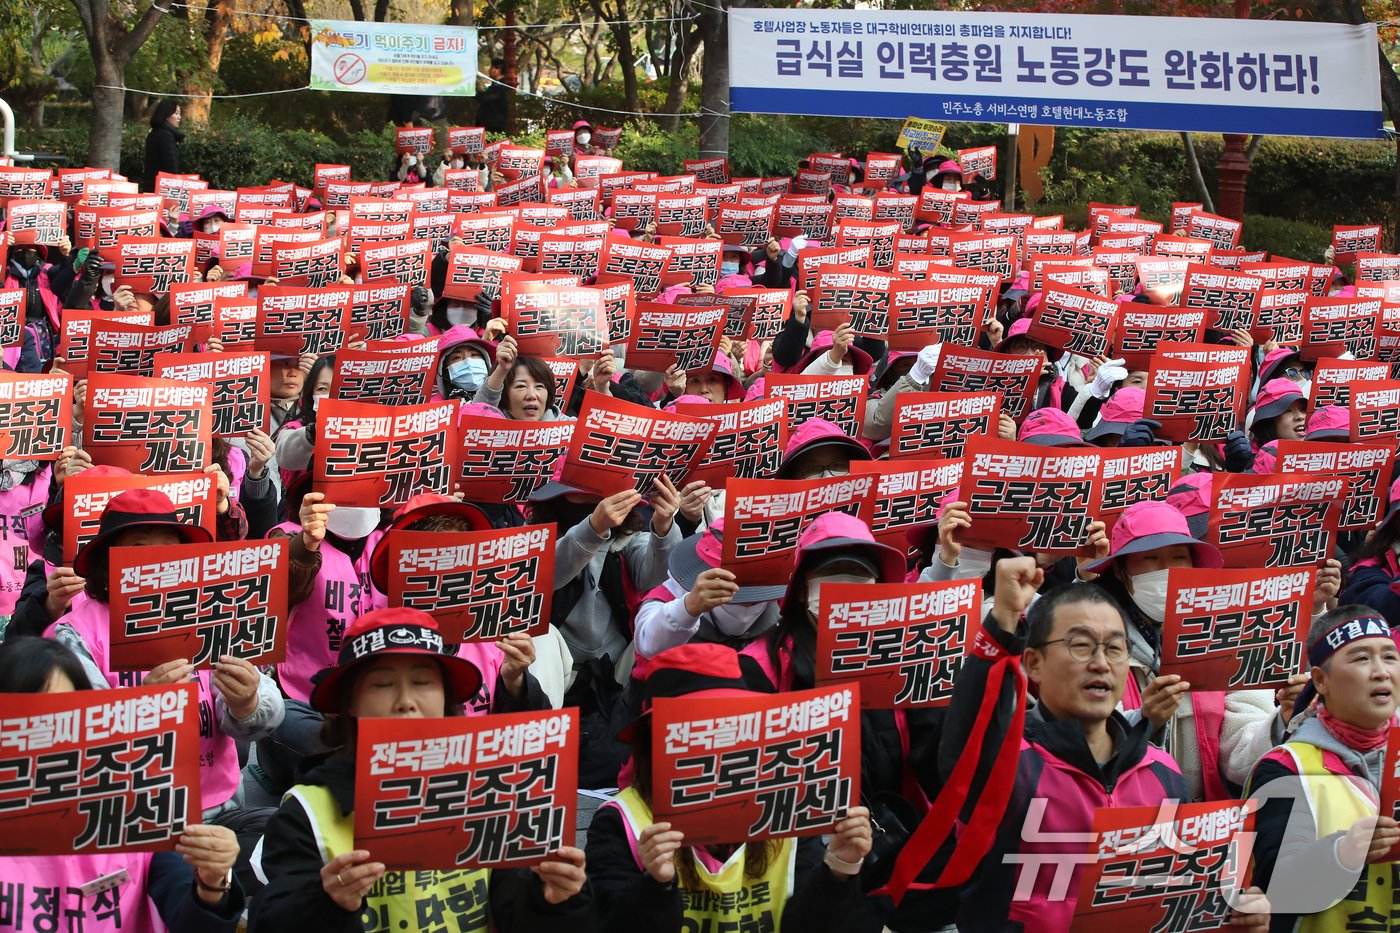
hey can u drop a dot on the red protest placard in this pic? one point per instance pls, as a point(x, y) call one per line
point(1376, 268)
point(512, 780)
point(1083, 275)
point(495, 232)
point(744, 769)
point(633, 210)
point(137, 750)
point(86, 496)
point(147, 425)
point(1332, 381)
point(480, 585)
point(1194, 401)
point(763, 519)
point(907, 494)
point(1375, 410)
point(506, 461)
point(901, 642)
point(1234, 297)
point(619, 445)
point(12, 315)
point(1236, 629)
point(75, 344)
point(1133, 474)
point(1040, 264)
point(520, 161)
point(385, 378)
point(643, 263)
point(842, 294)
point(1014, 378)
point(1368, 466)
point(131, 348)
point(812, 258)
point(764, 319)
point(738, 309)
point(378, 310)
point(990, 253)
point(371, 456)
point(749, 227)
point(35, 414)
point(241, 383)
point(308, 265)
point(937, 206)
point(681, 215)
point(193, 302)
point(797, 217)
point(1279, 317)
point(565, 373)
point(44, 222)
point(1121, 266)
point(1074, 320)
point(667, 335)
point(571, 252)
point(406, 262)
point(981, 160)
point(710, 171)
point(1204, 848)
point(939, 424)
point(293, 321)
point(1347, 241)
point(150, 265)
point(1275, 520)
point(100, 227)
point(198, 601)
point(838, 399)
point(1333, 326)
point(879, 235)
point(694, 263)
point(749, 441)
point(969, 214)
point(554, 320)
point(619, 305)
point(1030, 497)
point(1141, 329)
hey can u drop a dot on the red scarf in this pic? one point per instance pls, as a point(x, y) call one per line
point(1354, 737)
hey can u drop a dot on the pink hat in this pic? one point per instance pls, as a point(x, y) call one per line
point(1149, 525)
point(1277, 396)
point(1273, 362)
point(895, 364)
point(1191, 497)
point(456, 336)
point(686, 400)
point(1329, 423)
point(837, 530)
point(1050, 427)
point(701, 552)
point(949, 167)
point(732, 281)
point(814, 433)
point(1266, 459)
point(1122, 408)
point(860, 360)
point(1019, 328)
point(481, 410)
point(733, 388)
point(582, 125)
point(757, 390)
point(210, 210)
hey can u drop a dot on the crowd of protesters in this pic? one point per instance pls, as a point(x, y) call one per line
point(1059, 706)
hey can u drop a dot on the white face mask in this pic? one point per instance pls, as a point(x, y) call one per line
point(972, 564)
point(1305, 386)
point(457, 163)
point(729, 268)
point(1150, 594)
point(412, 161)
point(814, 586)
point(352, 524)
point(951, 184)
point(582, 137)
point(467, 374)
point(457, 314)
point(736, 618)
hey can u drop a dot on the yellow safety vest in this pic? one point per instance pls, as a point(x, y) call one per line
point(727, 899)
point(402, 901)
point(1336, 805)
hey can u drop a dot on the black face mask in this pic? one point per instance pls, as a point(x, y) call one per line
point(27, 259)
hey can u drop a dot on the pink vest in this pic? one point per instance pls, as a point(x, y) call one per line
point(1208, 708)
point(16, 507)
point(43, 893)
point(219, 772)
point(52, 304)
point(11, 356)
point(488, 659)
point(237, 467)
point(341, 593)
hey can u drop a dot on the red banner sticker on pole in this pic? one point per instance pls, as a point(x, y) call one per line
point(512, 780)
point(480, 585)
point(749, 441)
point(1194, 401)
point(391, 379)
point(86, 496)
point(668, 335)
point(1030, 497)
point(198, 601)
point(372, 456)
point(1236, 629)
point(902, 642)
point(241, 384)
point(763, 519)
point(1275, 521)
point(620, 445)
point(36, 412)
point(137, 749)
point(1204, 848)
point(906, 497)
point(939, 424)
point(797, 755)
point(506, 461)
point(1013, 377)
point(840, 400)
point(148, 425)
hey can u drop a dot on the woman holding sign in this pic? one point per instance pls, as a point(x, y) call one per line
point(395, 665)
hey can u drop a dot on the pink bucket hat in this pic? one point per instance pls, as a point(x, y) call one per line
point(815, 433)
point(733, 388)
point(1147, 526)
point(1274, 362)
point(1122, 408)
point(1019, 328)
point(1329, 423)
point(1275, 398)
point(1190, 496)
point(1266, 459)
point(860, 360)
point(701, 552)
point(1050, 427)
point(835, 531)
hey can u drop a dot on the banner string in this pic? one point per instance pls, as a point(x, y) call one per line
point(137, 90)
point(302, 19)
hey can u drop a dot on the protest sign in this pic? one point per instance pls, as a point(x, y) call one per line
point(392, 58)
point(1236, 629)
point(387, 379)
point(293, 321)
point(749, 440)
point(241, 384)
point(137, 752)
point(1279, 317)
point(1234, 297)
point(432, 795)
point(1130, 475)
point(939, 424)
point(36, 415)
point(85, 496)
point(1375, 410)
point(147, 425)
point(669, 335)
point(571, 252)
point(308, 265)
point(552, 320)
point(1140, 331)
point(1074, 320)
point(1333, 326)
point(151, 265)
point(1030, 497)
point(42, 222)
point(849, 294)
point(694, 263)
point(480, 585)
point(763, 519)
point(378, 310)
point(1014, 378)
point(749, 227)
point(766, 311)
point(194, 302)
point(1368, 466)
point(744, 769)
point(13, 314)
point(505, 461)
point(75, 343)
point(200, 602)
point(620, 445)
point(1275, 521)
point(901, 642)
point(1194, 401)
point(907, 496)
point(131, 348)
point(371, 456)
point(840, 400)
point(642, 262)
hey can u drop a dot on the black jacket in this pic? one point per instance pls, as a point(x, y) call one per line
point(294, 899)
point(162, 154)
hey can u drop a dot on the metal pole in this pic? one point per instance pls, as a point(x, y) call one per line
point(9, 139)
point(1013, 131)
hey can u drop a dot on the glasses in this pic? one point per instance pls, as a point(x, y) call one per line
point(1296, 372)
point(1083, 649)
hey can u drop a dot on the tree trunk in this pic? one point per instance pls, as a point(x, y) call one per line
point(217, 20)
point(1194, 164)
point(626, 56)
point(111, 46)
point(714, 81)
point(108, 103)
point(681, 58)
point(460, 13)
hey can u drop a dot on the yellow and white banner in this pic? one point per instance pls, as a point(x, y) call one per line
point(393, 58)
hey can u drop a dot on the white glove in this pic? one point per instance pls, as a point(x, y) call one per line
point(798, 244)
point(1108, 375)
point(923, 367)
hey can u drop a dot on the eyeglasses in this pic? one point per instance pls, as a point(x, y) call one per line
point(1296, 372)
point(1083, 649)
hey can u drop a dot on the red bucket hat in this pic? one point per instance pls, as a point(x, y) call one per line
point(1122, 408)
point(135, 508)
point(1050, 427)
point(424, 505)
point(701, 552)
point(53, 514)
point(815, 433)
point(1277, 396)
point(1329, 423)
point(396, 631)
point(702, 670)
point(837, 530)
point(860, 360)
point(1147, 526)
